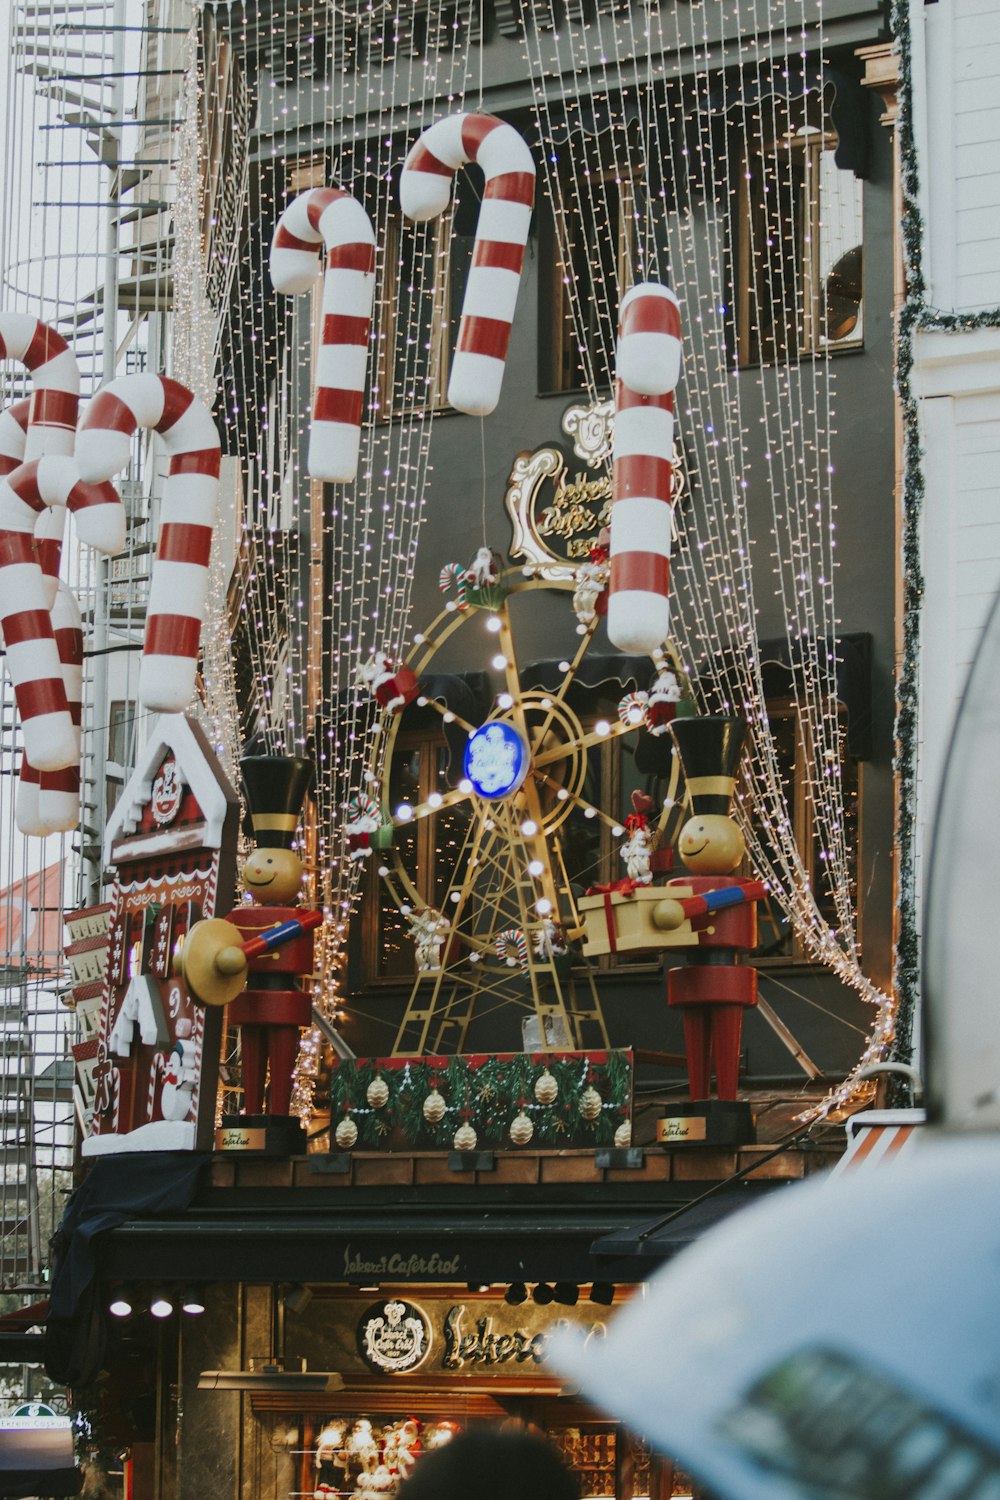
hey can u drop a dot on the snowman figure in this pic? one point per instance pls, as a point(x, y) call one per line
point(178, 1074)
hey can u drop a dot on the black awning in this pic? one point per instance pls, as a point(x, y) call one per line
point(37, 1460)
point(781, 661)
point(656, 1240)
point(21, 1348)
point(496, 1243)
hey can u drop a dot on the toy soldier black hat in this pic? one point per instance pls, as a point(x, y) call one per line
point(710, 750)
point(276, 787)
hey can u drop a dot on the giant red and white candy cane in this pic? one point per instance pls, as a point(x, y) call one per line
point(44, 426)
point(48, 549)
point(642, 475)
point(649, 339)
point(13, 435)
point(52, 413)
point(50, 737)
point(55, 382)
point(49, 801)
point(501, 235)
point(49, 526)
point(179, 584)
point(331, 217)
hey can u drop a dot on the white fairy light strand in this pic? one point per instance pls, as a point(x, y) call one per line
point(712, 567)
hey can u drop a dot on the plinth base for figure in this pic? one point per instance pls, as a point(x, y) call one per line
point(707, 1122)
point(261, 1135)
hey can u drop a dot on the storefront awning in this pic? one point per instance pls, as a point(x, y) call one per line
point(645, 1245)
point(37, 1458)
point(497, 1244)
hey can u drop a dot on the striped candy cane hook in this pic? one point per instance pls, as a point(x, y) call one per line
point(13, 435)
point(55, 382)
point(509, 943)
point(179, 584)
point(50, 738)
point(49, 801)
point(648, 367)
point(49, 526)
point(52, 409)
point(44, 426)
point(501, 235)
point(331, 217)
point(48, 551)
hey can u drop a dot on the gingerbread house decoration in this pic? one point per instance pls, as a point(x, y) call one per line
point(172, 840)
point(89, 930)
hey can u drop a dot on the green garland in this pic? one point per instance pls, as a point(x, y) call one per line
point(915, 314)
point(488, 1093)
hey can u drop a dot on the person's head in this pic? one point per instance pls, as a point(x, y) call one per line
point(489, 1464)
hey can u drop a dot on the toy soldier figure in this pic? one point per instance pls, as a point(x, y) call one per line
point(274, 1007)
point(714, 988)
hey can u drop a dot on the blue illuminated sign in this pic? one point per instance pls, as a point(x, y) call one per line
point(496, 760)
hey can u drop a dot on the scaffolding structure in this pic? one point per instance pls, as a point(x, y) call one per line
point(90, 127)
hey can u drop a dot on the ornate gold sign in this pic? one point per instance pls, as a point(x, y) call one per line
point(681, 1128)
point(557, 514)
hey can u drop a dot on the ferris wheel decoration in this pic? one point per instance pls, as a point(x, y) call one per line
point(501, 925)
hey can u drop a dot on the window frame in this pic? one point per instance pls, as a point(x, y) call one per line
point(557, 342)
point(389, 405)
point(771, 161)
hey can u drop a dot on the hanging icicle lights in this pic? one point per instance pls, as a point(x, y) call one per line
point(630, 108)
point(631, 145)
point(324, 574)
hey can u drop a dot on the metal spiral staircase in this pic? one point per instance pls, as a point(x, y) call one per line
point(85, 244)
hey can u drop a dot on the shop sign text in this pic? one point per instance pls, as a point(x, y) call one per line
point(484, 1347)
point(406, 1267)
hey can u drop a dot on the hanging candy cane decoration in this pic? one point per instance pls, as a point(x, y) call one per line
point(49, 801)
point(47, 549)
point(49, 526)
point(648, 367)
point(52, 414)
point(501, 235)
point(13, 435)
point(51, 740)
point(179, 584)
point(55, 382)
point(331, 217)
point(43, 426)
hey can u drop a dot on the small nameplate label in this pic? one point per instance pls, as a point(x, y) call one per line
point(681, 1128)
point(235, 1138)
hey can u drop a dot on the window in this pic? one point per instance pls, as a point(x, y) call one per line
point(799, 244)
point(428, 850)
point(776, 939)
point(121, 748)
point(591, 270)
point(419, 310)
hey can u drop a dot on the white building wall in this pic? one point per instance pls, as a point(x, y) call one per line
point(956, 374)
point(956, 55)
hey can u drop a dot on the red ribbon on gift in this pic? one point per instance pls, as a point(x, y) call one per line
point(624, 887)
